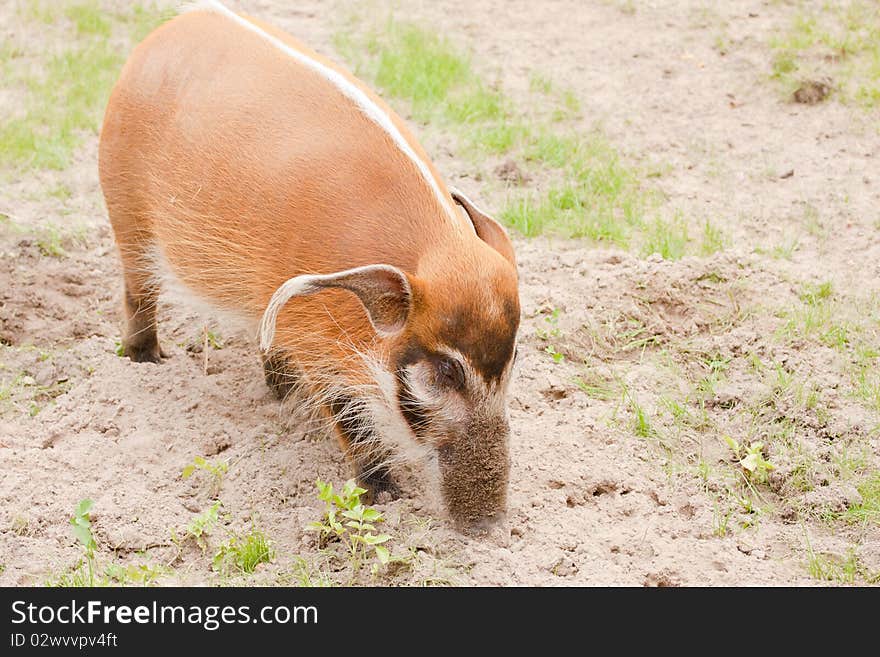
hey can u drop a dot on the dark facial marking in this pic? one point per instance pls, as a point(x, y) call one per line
point(487, 345)
point(413, 411)
point(410, 407)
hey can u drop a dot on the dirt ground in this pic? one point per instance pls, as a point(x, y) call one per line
point(593, 500)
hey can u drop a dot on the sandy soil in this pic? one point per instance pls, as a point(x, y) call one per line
point(591, 502)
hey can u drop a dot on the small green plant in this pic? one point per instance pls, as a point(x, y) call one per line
point(243, 553)
point(199, 527)
point(348, 520)
point(557, 356)
point(720, 521)
point(84, 573)
point(551, 330)
point(213, 339)
point(751, 459)
point(82, 529)
point(641, 420)
point(540, 84)
point(815, 294)
point(216, 470)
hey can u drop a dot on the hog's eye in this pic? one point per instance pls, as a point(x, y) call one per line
point(450, 373)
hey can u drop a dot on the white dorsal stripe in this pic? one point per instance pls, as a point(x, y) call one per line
point(351, 91)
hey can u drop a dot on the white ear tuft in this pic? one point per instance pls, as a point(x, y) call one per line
point(383, 290)
point(289, 289)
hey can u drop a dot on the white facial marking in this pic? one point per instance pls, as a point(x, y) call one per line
point(363, 102)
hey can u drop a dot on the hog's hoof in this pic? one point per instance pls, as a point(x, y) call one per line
point(144, 353)
point(381, 488)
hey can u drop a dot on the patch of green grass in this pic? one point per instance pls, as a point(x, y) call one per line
point(782, 251)
point(539, 83)
point(42, 11)
point(305, 574)
point(421, 67)
point(868, 511)
point(593, 194)
point(713, 239)
point(241, 554)
point(835, 568)
point(49, 242)
point(838, 40)
point(640, 420)
point(89, 18)
point(815, 294)
point(65, 89)
point(667, 238)
point(497, 138)
point(477, 105)
point(820, 317)
point(59, 191)
point(143, 18)
point(600, 199)
point(866, 377)
point(596, 387)
point(65, 101)
point(567, 103)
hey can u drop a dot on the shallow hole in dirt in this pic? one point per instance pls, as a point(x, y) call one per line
point(602, 488)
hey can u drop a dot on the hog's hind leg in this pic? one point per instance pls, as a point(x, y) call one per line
point(140, 341)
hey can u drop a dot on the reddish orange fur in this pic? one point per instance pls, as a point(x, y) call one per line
point(245, 168)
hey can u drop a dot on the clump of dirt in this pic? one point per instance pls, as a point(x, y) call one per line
point(812, 92)
point(510, 172)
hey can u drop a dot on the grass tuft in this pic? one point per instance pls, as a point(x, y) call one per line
point(868, 510)
point(242, 554)
point(65, 90)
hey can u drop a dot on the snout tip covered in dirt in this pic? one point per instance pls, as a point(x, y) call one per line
point(474, 472)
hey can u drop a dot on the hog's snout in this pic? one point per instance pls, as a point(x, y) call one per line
point(474, 470)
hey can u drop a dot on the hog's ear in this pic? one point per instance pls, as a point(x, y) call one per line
point(488, 230)
point(384, 290)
